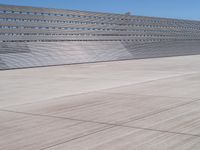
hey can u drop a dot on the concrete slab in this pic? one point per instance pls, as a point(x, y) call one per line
point(16, 88)
point(183, 119)
point(132, 105)
point(36, 84)
point(185, 86)
point(28, 132)
point(104, 107)
point(119, 138)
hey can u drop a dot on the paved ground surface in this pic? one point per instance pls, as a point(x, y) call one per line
point(151, 104)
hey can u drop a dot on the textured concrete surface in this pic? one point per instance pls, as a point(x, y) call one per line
point(150, 104)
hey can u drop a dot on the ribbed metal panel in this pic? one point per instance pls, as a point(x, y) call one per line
point(2, 65)
point(13, 47)
point(31, 37)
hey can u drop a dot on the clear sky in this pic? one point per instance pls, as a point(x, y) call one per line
point(184, 9)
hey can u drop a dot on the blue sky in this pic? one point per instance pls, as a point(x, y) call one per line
point(184, 9)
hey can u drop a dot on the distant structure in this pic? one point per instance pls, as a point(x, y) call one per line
point(31, 37)
point(128, 13)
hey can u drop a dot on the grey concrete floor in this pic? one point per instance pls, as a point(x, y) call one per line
point(149, 104)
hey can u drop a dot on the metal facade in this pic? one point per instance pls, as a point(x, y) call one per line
point(31, 37)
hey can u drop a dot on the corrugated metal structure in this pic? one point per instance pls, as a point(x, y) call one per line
point(31, 37)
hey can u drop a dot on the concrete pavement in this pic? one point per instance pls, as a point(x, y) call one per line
point(147, 104)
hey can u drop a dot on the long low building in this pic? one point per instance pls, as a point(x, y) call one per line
point(32, 37)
